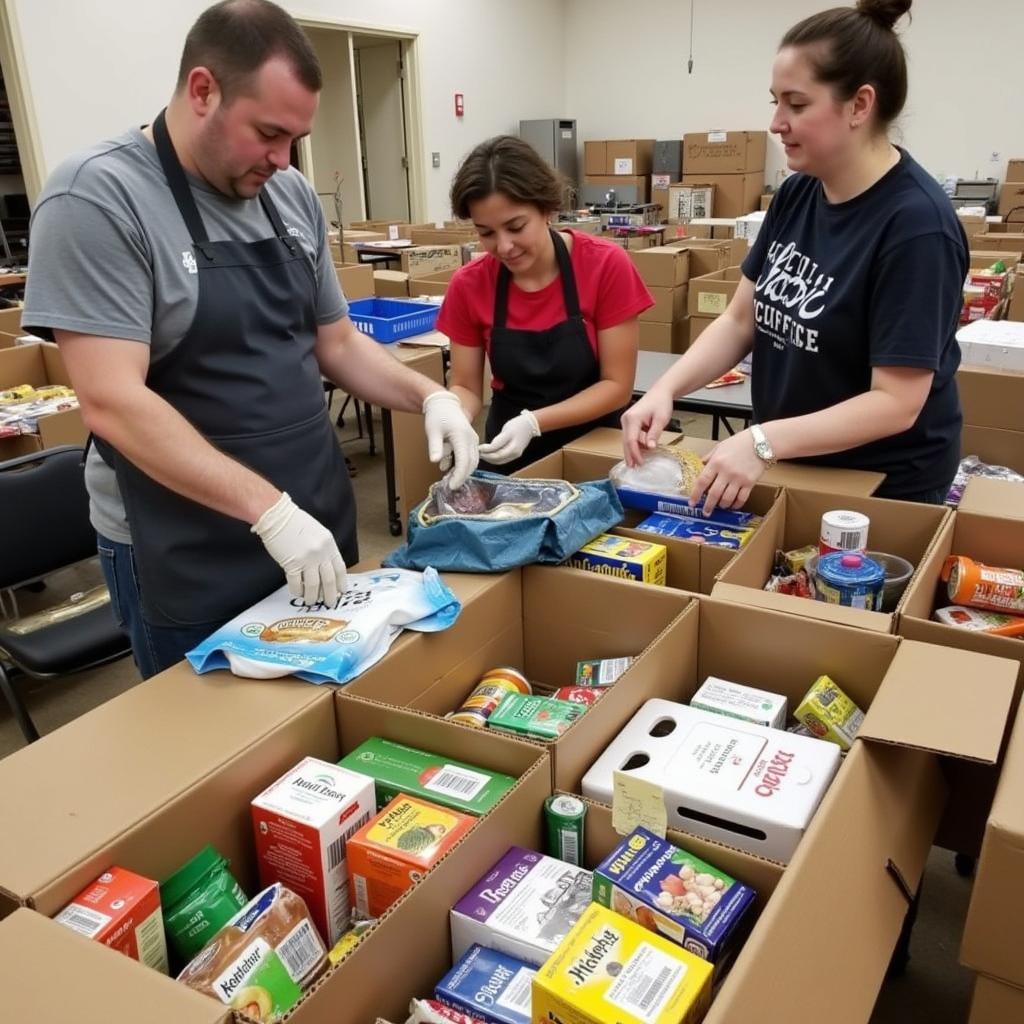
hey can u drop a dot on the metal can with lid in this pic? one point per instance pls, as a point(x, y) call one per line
point(849, 579)
point(843, 530)
point(563, 819)
point(483, 700)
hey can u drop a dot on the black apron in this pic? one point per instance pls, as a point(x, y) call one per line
point(541, 368)
point(246, 377)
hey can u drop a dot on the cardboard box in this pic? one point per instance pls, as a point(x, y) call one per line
point(431, 284)
point(1014, 170)
point(424, 260)
point(709, 255)
point(1011, 202)
point(718, 228)
point(356, 280)
point(979, 259)
point(629, 156)
point(444, 236)
point(106, 987)
point(38, 364)
point(659, 195)
point(10, 321)
point(642, 183)
point(668, 158)
point(390, 284)
point(991, 397)
point(1000, 498)
point(724, 152)
point(1015, 307)
point(662, 266)
point(995, 1003)
point(990, 939)
point(711, 293)
point(986, 536)
point(696, 326)
point(343, 251)
point(999, 237)
point(735, 194)
point(897, 527)
point(992, 343)
point(658, 337)
point(686, 202)
point(595, 157)
point(766, 200)
point(669, 304)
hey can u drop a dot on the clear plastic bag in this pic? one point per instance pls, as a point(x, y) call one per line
point(496, 499)
point(663, 471)
point(971, 466)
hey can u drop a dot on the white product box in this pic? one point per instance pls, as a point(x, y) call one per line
point(749, 225)
point(524, 906)
point(734, 782)
point(302, 823)
point(744, 702)
point(998, 343)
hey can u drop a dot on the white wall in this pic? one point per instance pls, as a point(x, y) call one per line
point(98, 66)
point(959, 109)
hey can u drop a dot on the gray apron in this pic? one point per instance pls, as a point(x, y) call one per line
point(246, 377)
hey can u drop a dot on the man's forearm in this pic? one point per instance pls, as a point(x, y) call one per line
point(158, 440)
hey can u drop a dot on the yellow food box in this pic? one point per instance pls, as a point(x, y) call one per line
point(610, 970)
point(829, 714)
point(624, 557)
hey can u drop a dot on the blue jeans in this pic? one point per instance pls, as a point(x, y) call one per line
point(155, 647)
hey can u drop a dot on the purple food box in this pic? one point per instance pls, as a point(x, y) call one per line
point(675, 894)
point(679, 505)
point(523, 906)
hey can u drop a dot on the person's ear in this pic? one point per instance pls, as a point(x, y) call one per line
point(202, 91)
point(862, 106)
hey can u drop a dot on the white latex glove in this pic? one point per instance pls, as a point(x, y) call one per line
point(512, 439)
point(450, 434)
point(305, 549)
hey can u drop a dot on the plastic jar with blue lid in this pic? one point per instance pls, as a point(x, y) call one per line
point(853, 580)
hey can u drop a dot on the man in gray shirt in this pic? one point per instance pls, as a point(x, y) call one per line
point(184, 271)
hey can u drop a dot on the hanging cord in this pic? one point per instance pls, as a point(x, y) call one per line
point(689, 63)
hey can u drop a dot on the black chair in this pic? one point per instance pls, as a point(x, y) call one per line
point(44, 526)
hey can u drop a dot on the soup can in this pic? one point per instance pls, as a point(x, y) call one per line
point(849, 579)
point(842, 530)
point(483, 700)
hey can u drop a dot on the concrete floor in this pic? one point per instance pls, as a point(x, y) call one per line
point(935, 987)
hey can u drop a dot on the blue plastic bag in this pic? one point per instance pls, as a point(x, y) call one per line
point(495, 523)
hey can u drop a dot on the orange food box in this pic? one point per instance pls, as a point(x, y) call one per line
point(121, 910)
point(394, 850)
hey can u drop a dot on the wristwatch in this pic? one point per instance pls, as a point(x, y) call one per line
point(762, 446)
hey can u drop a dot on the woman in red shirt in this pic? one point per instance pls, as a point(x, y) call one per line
point(555, 311)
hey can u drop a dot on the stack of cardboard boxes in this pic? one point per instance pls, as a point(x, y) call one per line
point(1011, 196)
point(732, 162)
point(620, 164)
point(714, 270)
point(665, 270)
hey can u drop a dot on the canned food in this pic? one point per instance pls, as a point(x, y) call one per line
point(842, 530)
point(849, 579)
point(484, 698)
point(982, 586)
point(579, 694)
point(563, 818)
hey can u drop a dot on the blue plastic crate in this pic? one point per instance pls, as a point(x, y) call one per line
point(388, 320)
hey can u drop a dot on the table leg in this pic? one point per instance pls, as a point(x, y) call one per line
point(369, 426)
point(714, 426)
point(394, 519)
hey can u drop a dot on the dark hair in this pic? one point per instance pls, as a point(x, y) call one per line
point(235, 38)
point(855, 46)
point(512, 167)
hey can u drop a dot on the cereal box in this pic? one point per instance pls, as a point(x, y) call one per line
point(609, 970)
point(624, 557)
point(397, 769)
point(744, 702)
point(121, 910)
point(302, 823)
point(491, 986)
point(523, 906)
point(829, 714)
point(394, 850)
point(667, 890)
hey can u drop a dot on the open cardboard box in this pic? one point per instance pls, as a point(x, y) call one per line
point(990, 496)
point(986, 536)
point(872, 831)
point(897, 527)
point(540, 620)
point(204, 759)
point(991, 940)
point(995, 1003)
point(38, 364)
point(874, 827)
point(990, 397)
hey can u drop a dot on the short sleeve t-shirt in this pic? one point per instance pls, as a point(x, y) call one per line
point(840, 288)
point(609, 286)
point(110, 256)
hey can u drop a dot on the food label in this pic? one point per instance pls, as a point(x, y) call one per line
point(257, 983)
point(712, 302)
point(646, 982)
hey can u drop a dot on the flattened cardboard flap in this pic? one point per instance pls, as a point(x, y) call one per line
point(990, 497)
point(943, 700)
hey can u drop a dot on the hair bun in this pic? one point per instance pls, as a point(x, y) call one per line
point(884, 12)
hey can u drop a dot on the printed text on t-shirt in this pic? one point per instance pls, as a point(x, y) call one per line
point(792, 290)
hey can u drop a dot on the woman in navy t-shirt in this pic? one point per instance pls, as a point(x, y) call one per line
point(851, 294)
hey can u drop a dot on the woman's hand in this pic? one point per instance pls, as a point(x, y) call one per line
point(728, 475)
point(643, 423)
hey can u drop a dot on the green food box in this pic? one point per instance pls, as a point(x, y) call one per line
point(397, 769)
point(532, 715)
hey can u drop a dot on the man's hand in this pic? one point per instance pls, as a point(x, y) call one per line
point(512, 440)
point(449, 431)
point(305, 550)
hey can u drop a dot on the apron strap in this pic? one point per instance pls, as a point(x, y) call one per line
point(178, 182)
point(275, 219)
point(570, 296)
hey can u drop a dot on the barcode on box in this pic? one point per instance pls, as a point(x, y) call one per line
point(152, 945)
point(518, 992)
point(300, 951)
point(570, 850)
point(646, 982)
point(460, 782)
point(84, 921)
point(850, 539)
point(336, 851)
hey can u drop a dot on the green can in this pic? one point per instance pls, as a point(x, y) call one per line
point(198, 900)
point(563, 818)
